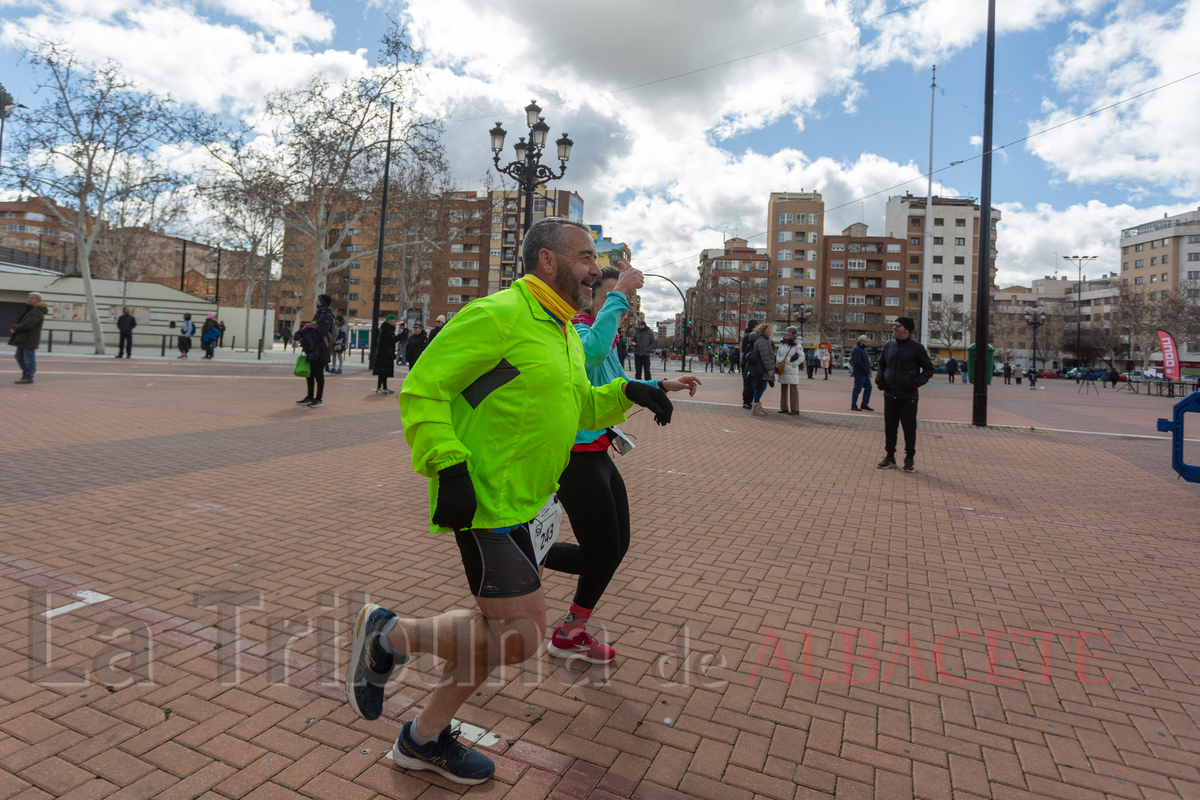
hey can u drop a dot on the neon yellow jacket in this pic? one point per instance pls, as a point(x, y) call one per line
point(503, 387)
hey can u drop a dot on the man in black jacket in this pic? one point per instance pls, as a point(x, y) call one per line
point(903, 368)
point(748, 383)
point(125, 325)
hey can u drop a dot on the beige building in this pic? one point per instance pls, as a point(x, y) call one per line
point(734, 286)
point(794, 247)
point(1161, 255)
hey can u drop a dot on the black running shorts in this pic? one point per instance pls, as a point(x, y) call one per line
point(499, 564)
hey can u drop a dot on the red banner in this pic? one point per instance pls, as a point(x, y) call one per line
point(1170, 356)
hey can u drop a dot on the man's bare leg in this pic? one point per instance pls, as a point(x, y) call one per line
point(503, 631)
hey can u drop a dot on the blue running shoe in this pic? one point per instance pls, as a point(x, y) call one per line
point(444, 756)
point(370, 664)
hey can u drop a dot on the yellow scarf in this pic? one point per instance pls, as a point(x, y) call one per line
point(549, 300)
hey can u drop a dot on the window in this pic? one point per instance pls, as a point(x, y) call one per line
point(1138, 264)
point(914, 259)
point(1137, 248)
point(838, 247)
point(939, 221)
point(352, 296)
point(1194, 240)
point(960, 242)
point(810, 291)
point(858, 264)
point(1154, 244)
point(958, 298)
point(893, 266)
point(539, 205)
point(495, 252)
point(352, 264)
point(351, 312)
point(936, 298)
point(464, 265)
point(1124, 266)
point(785, 219)
point(893, 248)
point(783, 272)
point(1153, 295)
point(814, 219)
point(1137, 281)
point(456, 281)
point(1166, 259)
point(913, 297)
point(960, 223)
point(938, 240)
point(785, 255)
point(835, 299)
point(891, 301)
point(812, 237)
point(937, 278)
point(1154, 279)
point(353, 248)
point(760, 266)
point(914, 277)
point(915, 241)
point(892, 284)
point(1164, 277)
point(1194, 275)
point(454, 299)
point(1193, 256)
point(785, 236)
point(856, 300)
point(1153, 260)
point(837, 281)
point(1125, 250)
point(937, 259)
point(811, 273)
point(783, 291)
point(915, 222)
point(958, 279)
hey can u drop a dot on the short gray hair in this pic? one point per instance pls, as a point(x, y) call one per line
point(864, 338)
point(38, 295)
point(546, 234)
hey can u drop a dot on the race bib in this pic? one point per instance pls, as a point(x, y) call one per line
point(543, 529)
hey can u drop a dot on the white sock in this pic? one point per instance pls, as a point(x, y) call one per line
point(418, 739)
point(383, 637)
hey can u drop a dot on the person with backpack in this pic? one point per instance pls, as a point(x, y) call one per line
point(186, 332)
point(340, 341)
point(210, 334)
point(316, 340)
point(735, 357)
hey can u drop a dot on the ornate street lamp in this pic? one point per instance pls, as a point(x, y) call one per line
point(1035, 319)
point(1079, 261)
point(527, 170)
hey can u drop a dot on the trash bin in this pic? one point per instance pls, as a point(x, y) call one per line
point(989, 364)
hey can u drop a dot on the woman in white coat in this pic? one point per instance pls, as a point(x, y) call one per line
point(791, 355)
point(826, 359)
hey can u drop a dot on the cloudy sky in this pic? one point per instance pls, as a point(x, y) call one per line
point(686, 114)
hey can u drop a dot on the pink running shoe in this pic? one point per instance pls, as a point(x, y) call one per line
point(583, 646)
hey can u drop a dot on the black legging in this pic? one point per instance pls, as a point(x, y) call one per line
point(593, 495)
point(381, 383)
point(316, 376)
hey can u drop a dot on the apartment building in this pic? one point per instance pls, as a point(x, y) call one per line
point(945, 255)
point(733, 288)
point(1161, 255)
point(31, 235)
point(864, 287)
point(794, 239)
point(507, 222)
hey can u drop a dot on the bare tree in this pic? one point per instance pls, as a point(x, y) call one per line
point(948, 323)
point(323, 144)
point(91, 144)
point(831, 322)
point(1140, 317)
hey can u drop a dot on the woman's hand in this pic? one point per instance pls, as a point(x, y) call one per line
point(688, 382)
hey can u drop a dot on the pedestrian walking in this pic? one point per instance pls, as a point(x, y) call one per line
point(787, 367)
point(904, 367)
point(383, 359)
point(1032, 375)
point(286, 336)
point(1114, 377)
point(490, 416)
point(644, 341)
point(26, 335)
point(760, 365)
point(748, 383)
point(735, 355)
point(415, 345)
point(341, 339)
point(591, 489)
point(860, 370)
point(826, 359)
point(623, 350)
point(438, 324)
point(186, 331)
point(125, 325)
point(210, 334)
point(951, 368)
point(1008, 371)
point(811, 363)
point(401, 341)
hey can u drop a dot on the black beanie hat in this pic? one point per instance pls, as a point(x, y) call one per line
point(907, 322)
point(324, 299)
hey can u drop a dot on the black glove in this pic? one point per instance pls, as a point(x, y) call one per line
point(456, 498)
point(651, 397)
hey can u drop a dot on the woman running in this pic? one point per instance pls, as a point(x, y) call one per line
point(591, 490)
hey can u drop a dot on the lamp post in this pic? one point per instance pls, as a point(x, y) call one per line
point(802, 318)
point(1035, 319)
point(1079, 261)
point(684, 354)
point(527, 170)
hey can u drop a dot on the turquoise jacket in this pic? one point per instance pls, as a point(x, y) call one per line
point(503, 387)
point(599, 354)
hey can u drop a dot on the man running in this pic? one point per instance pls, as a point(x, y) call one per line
point(490, 417)
point(591, 489)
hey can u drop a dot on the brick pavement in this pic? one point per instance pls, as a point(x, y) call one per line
point(790, 622)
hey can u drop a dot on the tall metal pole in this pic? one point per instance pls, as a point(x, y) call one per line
point(262, 339)
point(218, 291)
point(387, 166)
point(928, 279)
point(183, 268)
point(984, 278)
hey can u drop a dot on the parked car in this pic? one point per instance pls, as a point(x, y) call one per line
point(1088, 373)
